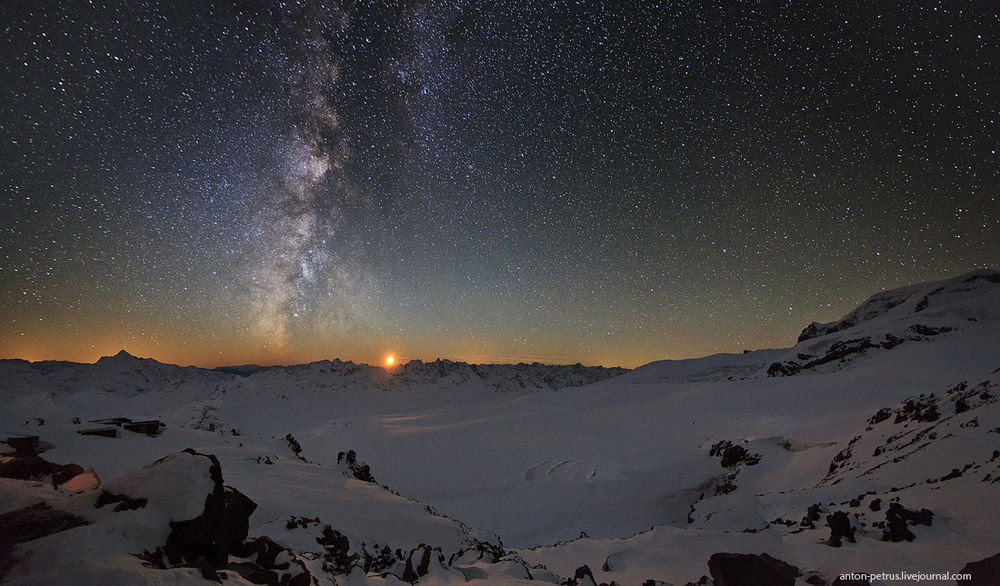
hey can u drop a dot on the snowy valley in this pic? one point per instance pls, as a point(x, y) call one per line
point(870, 447)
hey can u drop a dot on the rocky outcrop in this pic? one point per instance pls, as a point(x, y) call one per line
point(840, 528)
point(419, 562)
point(200, 537)
point(38, 520)
point(583, 576)
point(272, 564)
point(745, 569)
point(236, 511)
point(898, 519)
point(844, 350)
point(985, 572)
point(733, 455)
point(359, 470)
point(37, 468)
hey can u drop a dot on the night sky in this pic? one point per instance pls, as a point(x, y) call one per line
point(279, 182)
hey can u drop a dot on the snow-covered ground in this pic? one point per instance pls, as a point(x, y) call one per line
point(638, 475)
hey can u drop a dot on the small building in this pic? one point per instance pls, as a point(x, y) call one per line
point(119, 421)
point(100, 431)
point(150, 428)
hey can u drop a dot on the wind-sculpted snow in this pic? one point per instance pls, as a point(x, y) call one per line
point(877, 451)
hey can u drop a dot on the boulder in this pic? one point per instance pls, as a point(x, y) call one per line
point(236, 511)
point(898, 518)
point(812, 515)
point(582, 577)
point(265, 552)
point(36, 468)
point(294, 574)
point(82, 482)
point(200, 537)
point(745, 569)
point(66, 472)
point(840, 527)
point(415, 569)
point(38, 520)
point(985, 572)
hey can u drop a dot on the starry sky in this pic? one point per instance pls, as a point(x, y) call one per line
point(566, 181)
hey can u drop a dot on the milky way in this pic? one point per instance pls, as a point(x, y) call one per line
point(510, 181)
point(296, 273)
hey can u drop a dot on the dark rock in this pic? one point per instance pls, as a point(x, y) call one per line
point(955, 473)
point(840, 527)
point(359, 470)
point(582, 577)
point(481, 550)
point(265, 568)
point(880, 416)
point(264, 551)
point(153, 559)
point(897, 520)
point(812, 515)
point(961, 406)
point(65, 472)
point(985, 572)
point(37, 468)
point(733, 455)
point(125, 502)
point(301, 522)
point(726, 484)
point(783, 369)
point(24, 445)
point(745, 569)
point(254, 573)
point(25, 468)
point(236, 511)
point(337, 546)
point(200, 537)
point(924, 330)
point(207, 570)
point(921, 409)
point(35, 521)
point(875, 505)
point(294, 446)
point(841, 458)
point(415, 570)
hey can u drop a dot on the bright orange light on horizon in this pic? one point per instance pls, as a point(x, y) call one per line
point(389, 360)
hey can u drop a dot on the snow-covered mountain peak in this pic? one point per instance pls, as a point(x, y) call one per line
point(124, 359)
point(928, 298)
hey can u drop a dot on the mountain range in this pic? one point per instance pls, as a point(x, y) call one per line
point(869, 450)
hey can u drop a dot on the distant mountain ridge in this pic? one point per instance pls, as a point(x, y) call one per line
point(136, 374)
point(910, 299)
point(905, 315)
point(915, 313)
